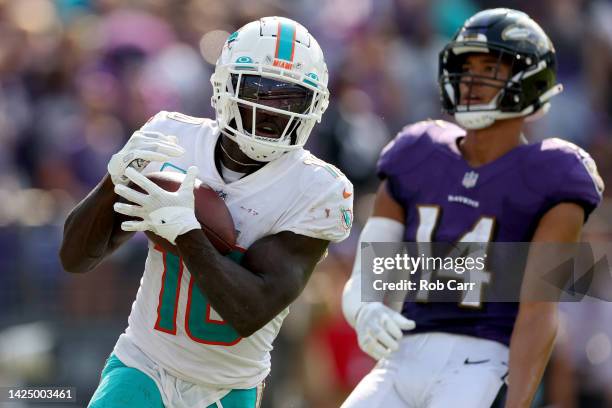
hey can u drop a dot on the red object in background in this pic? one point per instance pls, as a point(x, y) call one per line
point(349, 362)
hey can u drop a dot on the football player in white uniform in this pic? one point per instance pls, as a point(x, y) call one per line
point(201, 328)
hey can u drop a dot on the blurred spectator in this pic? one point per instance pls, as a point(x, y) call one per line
point(77, 77)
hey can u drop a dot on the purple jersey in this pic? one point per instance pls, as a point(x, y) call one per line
point(446, 200)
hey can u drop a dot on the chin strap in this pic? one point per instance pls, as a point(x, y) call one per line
point(236, 161)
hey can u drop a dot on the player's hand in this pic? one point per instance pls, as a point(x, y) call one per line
point(166, 214)
point(379, 329)
point(144, 147)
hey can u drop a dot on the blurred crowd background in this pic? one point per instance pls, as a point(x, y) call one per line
point(77, 77)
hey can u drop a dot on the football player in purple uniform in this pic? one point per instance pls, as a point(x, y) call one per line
point(477, 182)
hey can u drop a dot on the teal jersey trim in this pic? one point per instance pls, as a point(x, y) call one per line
point(236, 256)
point(168, 164)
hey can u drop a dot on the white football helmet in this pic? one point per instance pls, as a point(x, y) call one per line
point(275, 61)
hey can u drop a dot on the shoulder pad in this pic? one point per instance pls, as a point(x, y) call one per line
point(174, 123)
point(330, 169)
point(564, 172)
point(180, 117)
point(413, 144)
point(325, 177)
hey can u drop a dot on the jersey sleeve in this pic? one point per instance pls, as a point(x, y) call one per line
point(396, 156)
point(171, 123)
point(154, 124)
point(323, 211)
point(402, 155)
point(178, 125)
point(579, 182)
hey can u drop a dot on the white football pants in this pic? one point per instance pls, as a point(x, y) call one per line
point(435, 370)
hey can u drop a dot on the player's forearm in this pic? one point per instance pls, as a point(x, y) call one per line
point(236, 293)
point(91, 230)
point(530, 347)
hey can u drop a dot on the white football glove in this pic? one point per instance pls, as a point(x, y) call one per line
point(142, 147)
point(379, 329)
point(166, 214)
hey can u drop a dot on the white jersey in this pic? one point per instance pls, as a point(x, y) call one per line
point(171, 320)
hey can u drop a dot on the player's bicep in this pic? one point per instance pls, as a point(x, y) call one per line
point(386, 206)
point(562, 223)
point(284, 261)
point(558, 227)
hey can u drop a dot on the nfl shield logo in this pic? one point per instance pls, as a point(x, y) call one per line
point(469, 179)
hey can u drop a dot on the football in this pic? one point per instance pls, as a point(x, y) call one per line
point(210, 210)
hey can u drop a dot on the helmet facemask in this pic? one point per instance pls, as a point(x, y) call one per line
point(268, 108)
point(525, 92)
point(268, 115)
point(270, 87)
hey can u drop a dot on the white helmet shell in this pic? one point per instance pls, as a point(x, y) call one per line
point(276, 48)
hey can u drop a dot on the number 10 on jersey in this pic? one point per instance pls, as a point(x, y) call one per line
point(200, 324)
